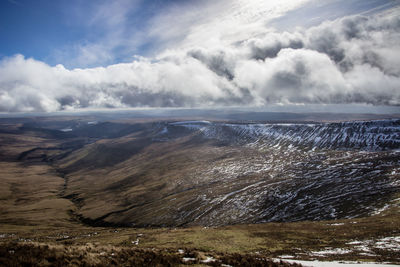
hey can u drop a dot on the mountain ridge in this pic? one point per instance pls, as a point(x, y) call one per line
point(217, 173)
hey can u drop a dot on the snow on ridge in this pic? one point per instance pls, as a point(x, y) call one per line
point(369, 135)
point(184, 123)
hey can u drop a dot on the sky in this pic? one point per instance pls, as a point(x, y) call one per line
point(76, 54)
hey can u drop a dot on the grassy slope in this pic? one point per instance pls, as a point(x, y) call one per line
point(133, 181)
point(30, 195)
point(159, 173)
point(34, 211)
point(271, 239)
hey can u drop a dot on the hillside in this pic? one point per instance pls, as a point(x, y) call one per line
point(323, 185)
point(210, 173)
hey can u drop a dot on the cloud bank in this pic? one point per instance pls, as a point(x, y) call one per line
point(354, 59)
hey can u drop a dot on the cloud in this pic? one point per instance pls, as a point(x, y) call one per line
point(108, 33)
point(182, 81)
point(217, 23)
point(293, 76)
point(354, 59)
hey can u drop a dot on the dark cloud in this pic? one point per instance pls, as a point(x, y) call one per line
point(216, 62)
point(327, 42)
point(135, 97)
point(269, 48)
point(358, 40)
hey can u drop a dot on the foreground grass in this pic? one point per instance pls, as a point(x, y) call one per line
point(35, 254)
point(299, 239)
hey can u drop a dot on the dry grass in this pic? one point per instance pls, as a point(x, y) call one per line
point(30, 195)
point(36, 254)
point(269, 240)
point(40, 225)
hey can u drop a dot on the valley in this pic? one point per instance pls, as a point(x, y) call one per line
point(212, 187)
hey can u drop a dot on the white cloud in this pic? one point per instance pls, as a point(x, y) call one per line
point(293, 76)
point(217, 23)
point(351, 60)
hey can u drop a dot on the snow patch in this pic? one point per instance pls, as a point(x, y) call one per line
point(330, 251)
point(337, 263)
point(66, 130)
point(188, 259)
point(208, 259)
